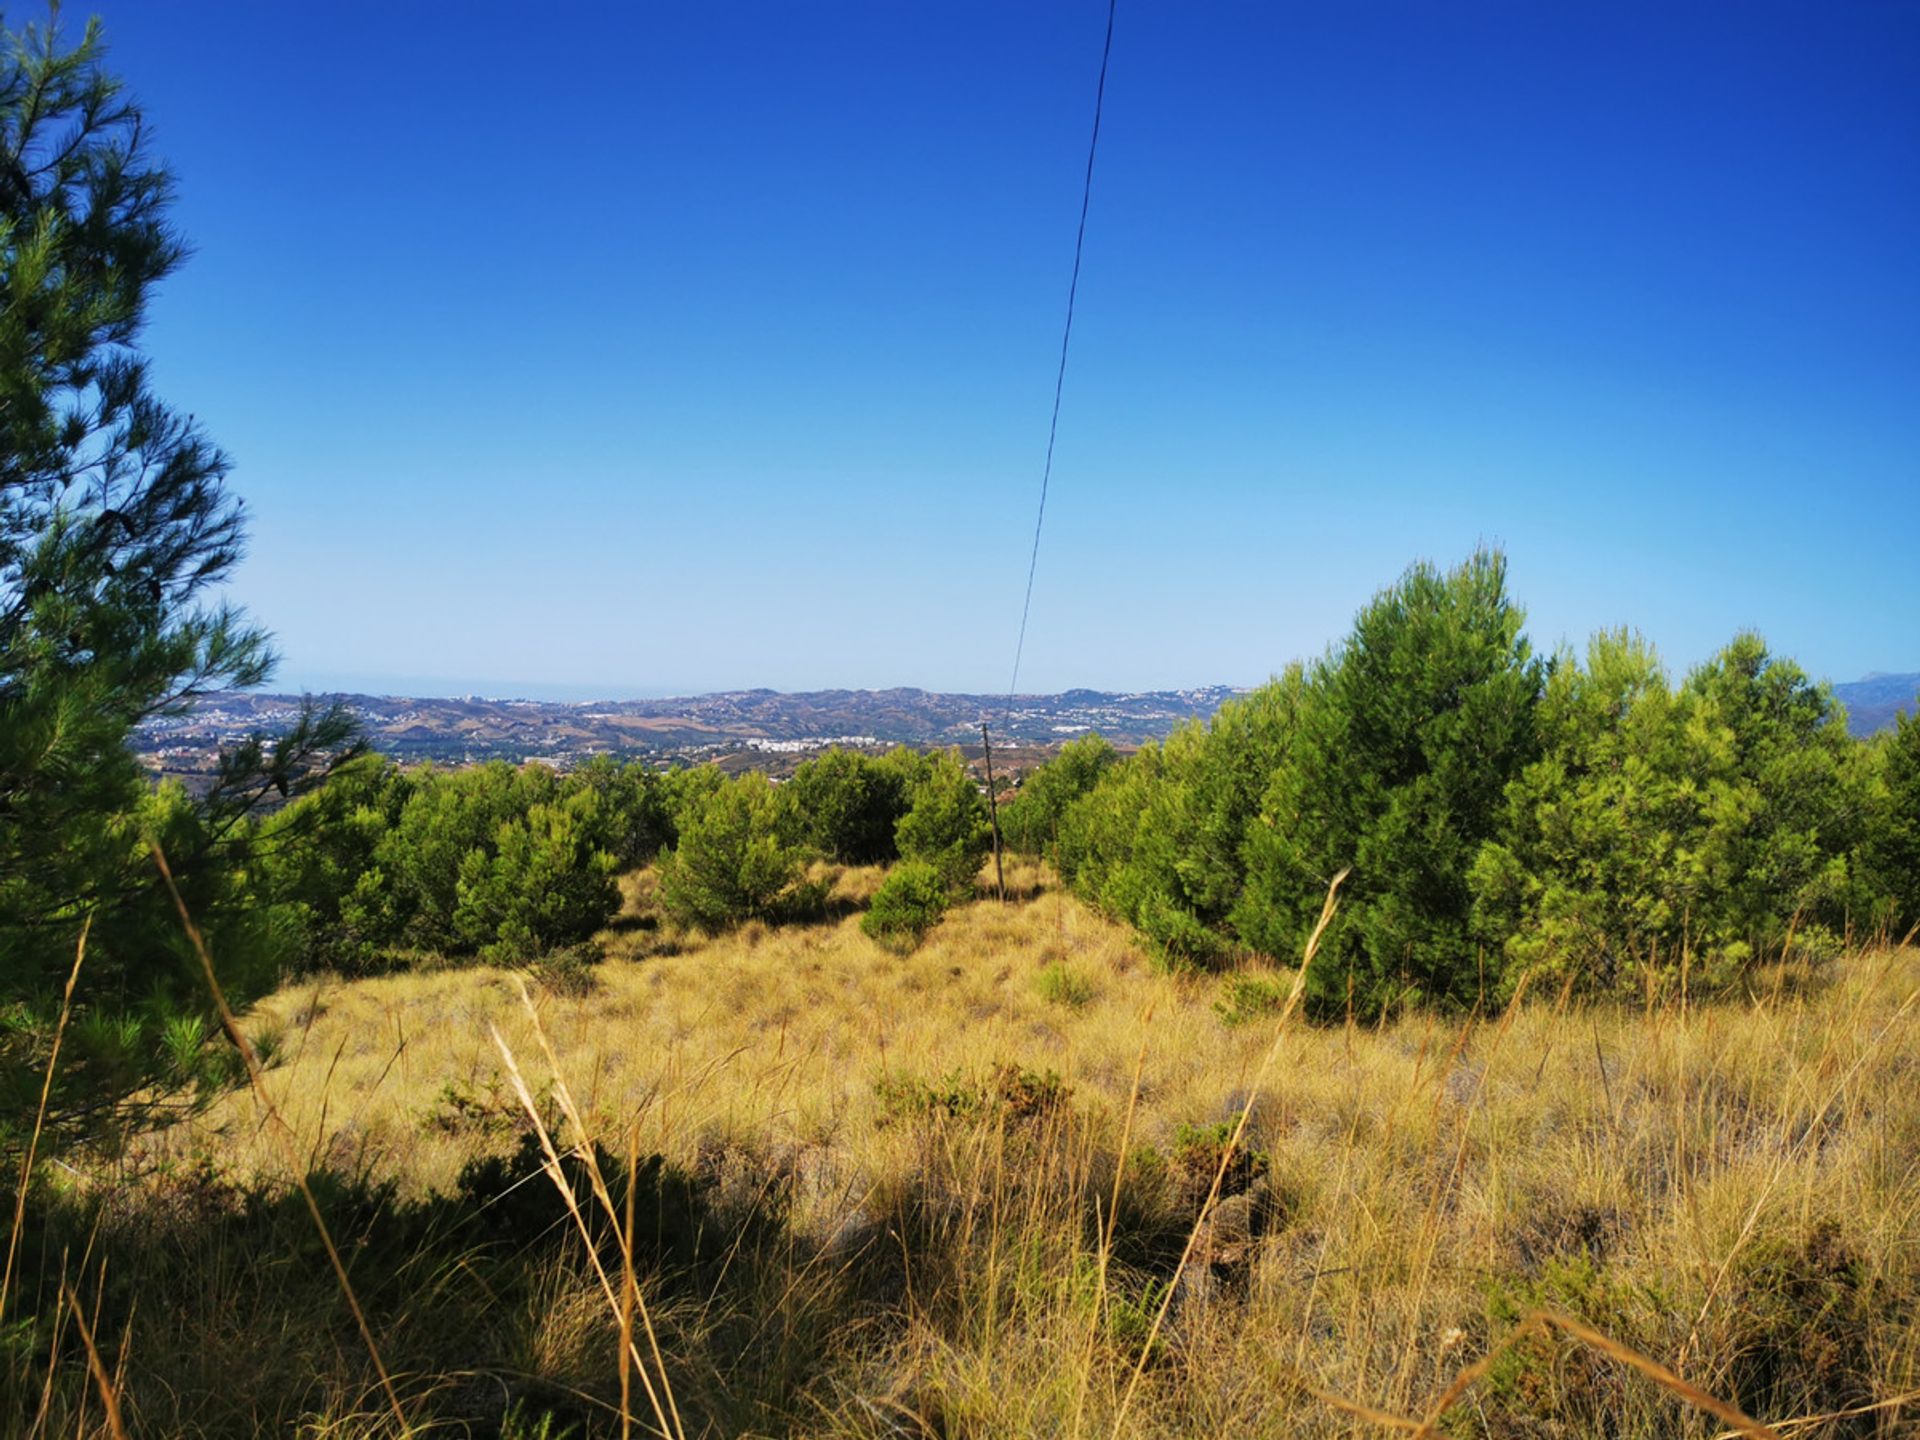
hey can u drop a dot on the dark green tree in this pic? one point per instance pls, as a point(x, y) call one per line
point(449, 817)
point(1030, 821)
point(946, 824)
point(544, 882)
point(116, 527)
point(909, 903)
point(316, 866)
point(1891, 848)
point(1159, 841)
point(1785, 802)
point(735, 859)
point(848, 804)
point(1405, 740)
point(685, 790)
point(635, 814)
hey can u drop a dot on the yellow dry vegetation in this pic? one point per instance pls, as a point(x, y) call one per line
point(1729, 1186)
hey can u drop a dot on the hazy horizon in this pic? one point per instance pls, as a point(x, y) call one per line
point(425, 687)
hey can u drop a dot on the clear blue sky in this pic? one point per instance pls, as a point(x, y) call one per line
point(628, 349)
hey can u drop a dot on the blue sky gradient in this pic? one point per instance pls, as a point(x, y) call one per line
point(640, 349)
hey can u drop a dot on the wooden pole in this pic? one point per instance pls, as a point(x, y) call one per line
point(993, 816)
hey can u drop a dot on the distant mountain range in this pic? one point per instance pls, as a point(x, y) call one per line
point(757, 726)
point(741, 722)
point(1874, 701)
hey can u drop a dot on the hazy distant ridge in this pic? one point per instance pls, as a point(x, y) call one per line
point(476, 727)
point(1873, 701)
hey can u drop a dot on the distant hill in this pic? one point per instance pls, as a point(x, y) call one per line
point(759, 723)
point(1872, 702)
point(740, 722)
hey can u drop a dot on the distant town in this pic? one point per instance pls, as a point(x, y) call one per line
point(747, 729)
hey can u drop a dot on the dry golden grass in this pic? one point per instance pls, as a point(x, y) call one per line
point(1732, 1191)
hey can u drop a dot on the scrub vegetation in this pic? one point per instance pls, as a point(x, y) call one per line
point(996, 1185)
point(1445, 1038)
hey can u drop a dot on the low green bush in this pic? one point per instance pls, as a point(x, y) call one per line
point(909, 903)
point(1060, 984)
point(1245, 998)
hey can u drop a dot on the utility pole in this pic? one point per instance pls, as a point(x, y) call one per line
point(993, 816)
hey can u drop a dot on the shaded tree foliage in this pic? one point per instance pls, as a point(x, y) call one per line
point(946, 824)
point(848, 804)
point(1406, 738)
point(1030, 822)
point(1890, 858)
point(116, 528)
point(737, 858)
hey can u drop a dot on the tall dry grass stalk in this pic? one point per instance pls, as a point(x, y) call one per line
point(1234, 1141)
point(630, 1299)
point(285, 1134)
point(40, 1116)
point(109, 1395)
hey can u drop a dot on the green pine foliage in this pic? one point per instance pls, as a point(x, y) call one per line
point(117, 529)
point(451, 816)
point(848, 805)
point(1704, 825)
point(636, 808)
point(1161, 842)
point(502, 862)
point(1030, 822)
point(946, 824)
point(737, 858)
point(546, 883)
point(909, 903)
point(1584, 821)
point(316, 863)
point(1890, 850)
point(1405, 740)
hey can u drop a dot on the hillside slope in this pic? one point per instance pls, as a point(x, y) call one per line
point(1874, 701)
point(931, 1142)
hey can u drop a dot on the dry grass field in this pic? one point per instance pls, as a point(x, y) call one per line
point(982, 1189)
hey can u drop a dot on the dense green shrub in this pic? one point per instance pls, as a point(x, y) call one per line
point(848, 804)
point(1030, 822)
point(1405, 740)
point(545, 884)
point(1786, 807)
point(946, 824)
point(685, 790)
point(450, 816)
point(1160, 842)
point(1388, 756)
point(736, 859)
point(1890, 849)
point(909, 903)
point(315, 865)
point(635, 815)
point(1498, 815)
point(492, 859)
point(1710, 821)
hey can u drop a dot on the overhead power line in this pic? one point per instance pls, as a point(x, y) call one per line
point(1060, 376)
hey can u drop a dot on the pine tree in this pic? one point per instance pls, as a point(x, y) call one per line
point(116, 526)
point(1405, 740)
